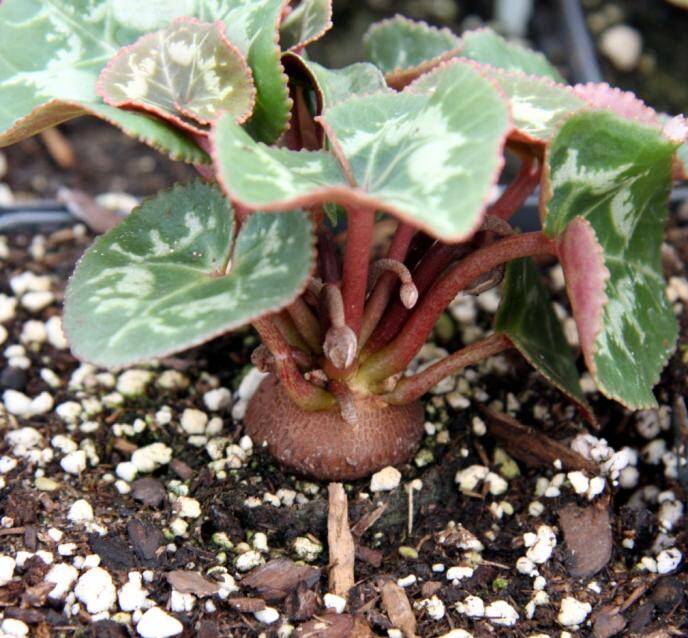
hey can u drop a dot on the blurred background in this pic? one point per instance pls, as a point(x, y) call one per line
point(640, 45)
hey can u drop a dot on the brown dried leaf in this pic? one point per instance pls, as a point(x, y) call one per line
point(398, 608)
point(191, 583)
point(277, 578)
point(588, 536)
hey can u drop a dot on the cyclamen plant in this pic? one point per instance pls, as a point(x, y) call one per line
point(288, 148)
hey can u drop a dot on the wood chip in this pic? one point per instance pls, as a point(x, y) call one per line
point(148, 491)
point(532, 447)
point(334, 626)
point(340, 542)
point(278, 578)
point(398, 608)
point(588, 536)
point(188, 582)
point(146, 539)
point(608, 622)
point(246, 605)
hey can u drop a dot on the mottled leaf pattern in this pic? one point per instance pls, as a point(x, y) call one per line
point(188, 73)
point(538, 105)
point(403, 48)
point(527, 318)
point(486, 47)
point(607, 182)
point(308, 22)
point(338, 85)
point(270, 178)
point(60, 46)
point(429, 159)
point(166, 277)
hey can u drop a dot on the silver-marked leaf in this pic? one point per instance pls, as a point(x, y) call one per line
point(428, 159)
point(486, 47)
point(338, 85)
point(187, 72)
point(308, 22)
point(538, 105)
point(265, 177)
point(404, 49)
point(605, 193)
point(166, 278)
point(59, 47)
point(527, 318)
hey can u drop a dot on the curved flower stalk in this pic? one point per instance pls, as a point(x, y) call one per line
point(300, 162)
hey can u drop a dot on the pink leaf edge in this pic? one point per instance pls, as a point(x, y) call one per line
point(623, 103)
point(582, 259)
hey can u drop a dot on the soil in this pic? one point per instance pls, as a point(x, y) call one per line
point(599, 550)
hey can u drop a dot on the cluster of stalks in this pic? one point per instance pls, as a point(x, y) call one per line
point(360, 323)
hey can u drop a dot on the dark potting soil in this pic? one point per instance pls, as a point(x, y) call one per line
point(536, 546)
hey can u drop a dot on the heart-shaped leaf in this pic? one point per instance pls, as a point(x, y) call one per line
point(430, 159)
point(605, 194)
point(169, 277)
point(486, 47)
point(527, 318)
point(59, 47)
point(187, 73)
point(538, 105)
point(308, 22)
point(404, 49)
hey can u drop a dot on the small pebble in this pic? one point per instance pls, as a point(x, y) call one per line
point(156, 623)
point(334, 602)
point(385, 480)
point(573, 612)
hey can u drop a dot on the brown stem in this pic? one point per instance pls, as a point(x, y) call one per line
point(518, 191)
point(361, 222)
point(396, 355)
point(304, 394)
point(289, 331)
point(412, 388)
point(408, 293)
point(306, 323)
point(430, 268)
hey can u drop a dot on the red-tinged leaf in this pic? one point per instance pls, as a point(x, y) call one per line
point(624, 103)
point(306, 23)
point(187, 73)
point(582, 258)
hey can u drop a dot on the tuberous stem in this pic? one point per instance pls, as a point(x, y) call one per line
point(395, 356)
point(306, 323)
point(412, 388)
point(518, 191)
point(361, 222)
point(304, 394)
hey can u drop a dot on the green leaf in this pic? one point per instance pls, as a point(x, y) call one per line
point(605, 199)
point(308, 22)
point(538, 105)
point(167, 278)
point(404, 49)
point(429, 159)
point(486, 47)
point(187, 73)
point(339, 85)
point(527, 318)
point(59, 47)
point(261, 176)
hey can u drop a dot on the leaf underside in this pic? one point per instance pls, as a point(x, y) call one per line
point(607, 182)
point(430, 159)
point(187, 73)
point(527, 318)
point(486, 47)
point(403, 49)
point(59, 48)
point(308, 22)
point(156, 283)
